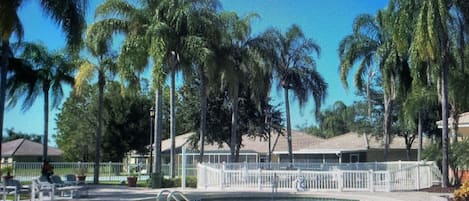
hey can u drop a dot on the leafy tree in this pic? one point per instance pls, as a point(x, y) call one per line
point(68, 14)
point(295, 70)
point(125, 121)
point(458, 159)
point(50, 70)
point(219, 116)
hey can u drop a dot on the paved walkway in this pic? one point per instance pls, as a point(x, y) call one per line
point(111, 193)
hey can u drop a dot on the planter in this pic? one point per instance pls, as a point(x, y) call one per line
point(7, 177)
point(81, 179)
point(132, 181)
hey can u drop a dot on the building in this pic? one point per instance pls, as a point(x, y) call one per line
point(23, 150)
point(347, 148)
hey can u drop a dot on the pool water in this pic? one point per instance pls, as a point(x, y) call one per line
point(276, 199)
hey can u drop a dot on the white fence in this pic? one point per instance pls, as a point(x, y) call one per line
point(395, 177)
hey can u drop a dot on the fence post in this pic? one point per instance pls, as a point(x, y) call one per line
point(371, 185)
point(183, 168)
point(221, 177)
point(259, 179)
point(388, 181)
point(340, 180)
point(205, 176)
point(418, 175)
point(110, 170)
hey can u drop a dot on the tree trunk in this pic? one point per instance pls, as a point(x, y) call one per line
point(287, 113)
point(158, 128)
point(203, 112)
point(387, 124)
point(455, 123)
point(444, 130)
point(3, 76)
point(234, 123)
point(101, 83)
point(45, 90)
point(172, 169)
point(419, 131)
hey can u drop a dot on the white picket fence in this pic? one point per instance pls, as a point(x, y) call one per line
point(406, 176)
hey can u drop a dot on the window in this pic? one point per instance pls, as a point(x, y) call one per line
point(354, 158)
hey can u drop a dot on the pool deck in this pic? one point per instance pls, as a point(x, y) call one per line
point(113, 192)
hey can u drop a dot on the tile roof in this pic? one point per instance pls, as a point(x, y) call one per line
point(24, 147)
point(300, 140)
point(303, 143)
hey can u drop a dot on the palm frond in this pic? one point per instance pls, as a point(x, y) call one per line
point(85, 73)
point(70, 16)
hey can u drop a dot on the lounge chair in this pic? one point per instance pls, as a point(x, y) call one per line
point(12, 186)
point(66, 189)
point(41, 187)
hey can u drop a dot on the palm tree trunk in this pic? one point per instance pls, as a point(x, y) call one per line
point(203, 112)
point(387, 124)
point(234, 122)
point(173, 122)
point(419, 131)
point(45, 90)
point(101, 83)
point(444, 130)
point(455, 117)
point(3, 77)
point(287, 113)
point(158, 128)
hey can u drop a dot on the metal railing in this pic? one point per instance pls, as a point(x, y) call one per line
point(108, 171)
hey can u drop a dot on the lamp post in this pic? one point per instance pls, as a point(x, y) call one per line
point(152, 116)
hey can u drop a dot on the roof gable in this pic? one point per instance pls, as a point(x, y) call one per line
point(24, 147)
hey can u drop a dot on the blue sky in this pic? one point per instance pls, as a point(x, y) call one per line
point(326, 22)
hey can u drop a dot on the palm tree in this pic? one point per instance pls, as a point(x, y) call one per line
point(372, 44)
point(68, 14)
point(157, 30)
point(431, 44)
point(296, 71)
point(140, 44)
point(179, 27)
point(202, 48)
point(50, 71)
point(240, 63)
point(98, 43)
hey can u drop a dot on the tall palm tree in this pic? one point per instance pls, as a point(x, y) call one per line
point(372, 45)
point(68, 14)
point(431, 44)
point(49, 72)
point(179, 27)
point(295, 69)
point(240, 62)
point(156, 29)
point(98, 43)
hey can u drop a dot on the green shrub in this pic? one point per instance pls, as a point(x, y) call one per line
point(175, 182)
point(191, 182)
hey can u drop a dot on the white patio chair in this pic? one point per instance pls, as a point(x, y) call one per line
point(14, 187)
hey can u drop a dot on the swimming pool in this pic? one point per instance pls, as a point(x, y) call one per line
point(275, 199)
